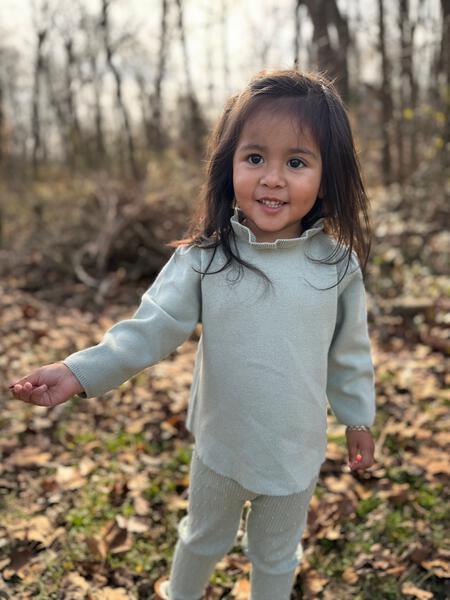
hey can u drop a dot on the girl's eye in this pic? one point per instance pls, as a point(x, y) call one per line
point(251, 157)
point(298, 162)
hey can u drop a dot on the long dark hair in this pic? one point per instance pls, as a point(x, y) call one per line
point(315, 103)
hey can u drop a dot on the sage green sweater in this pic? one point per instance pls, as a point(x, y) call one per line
point(267, 362)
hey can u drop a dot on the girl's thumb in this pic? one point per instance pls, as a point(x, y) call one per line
point(41, 388)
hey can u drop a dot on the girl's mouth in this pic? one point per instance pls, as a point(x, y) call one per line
point(271, 206)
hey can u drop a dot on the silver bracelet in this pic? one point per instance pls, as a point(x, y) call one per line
point(357, 428)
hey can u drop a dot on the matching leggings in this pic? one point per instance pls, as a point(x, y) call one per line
point(272, 542)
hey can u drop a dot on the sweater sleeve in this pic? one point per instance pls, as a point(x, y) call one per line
point(351, 379)
point(167, 315)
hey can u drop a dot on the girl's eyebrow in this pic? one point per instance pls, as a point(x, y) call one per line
point(290, 150)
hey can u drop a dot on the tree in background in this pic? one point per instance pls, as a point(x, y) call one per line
point(88, 68)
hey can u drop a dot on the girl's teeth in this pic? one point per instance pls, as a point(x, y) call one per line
point(272, 204)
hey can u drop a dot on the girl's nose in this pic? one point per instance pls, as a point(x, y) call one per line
point(272, 177)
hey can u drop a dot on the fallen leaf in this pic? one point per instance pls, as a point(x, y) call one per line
point(241, 589)
point(109, 593)
point(174, 503)
point(313, 583)
point(38, 528)
point(97, 547)
point(141, 506)
point(28, 457)
point(132, 524)
point(440, 568)
point(350, 575)
point(69, 478)
point(412, 590)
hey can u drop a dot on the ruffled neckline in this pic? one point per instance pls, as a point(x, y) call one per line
point(246, 234)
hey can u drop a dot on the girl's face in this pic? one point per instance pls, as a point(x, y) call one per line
point(275, 163)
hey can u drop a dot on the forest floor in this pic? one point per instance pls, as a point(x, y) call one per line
point(91, 491)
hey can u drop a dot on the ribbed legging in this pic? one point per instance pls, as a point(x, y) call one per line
point(272, 542)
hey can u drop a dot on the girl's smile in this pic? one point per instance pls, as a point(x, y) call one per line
point(276, 175)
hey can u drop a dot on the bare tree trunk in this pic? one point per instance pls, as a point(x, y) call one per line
point(386, 99)
point(2, 126)
point(41, 20)
point(444, 70)
point(18, 136)
point(104, 24)
point(144, 105)
point(159, 138)
point(2, 158)
point(445, 47)
point(414, 90)
point(325, 14)
point(56, 105)
point(403, 95)
point(356, 54)
point(209, 28)
point(341, 63)
point(99, 134)
point(225, 52)
point(196, 126)
point(38, 69)
point(408, 92)
point(92, 47)
point(75, 136)
point(297, 35)
point(186, 67)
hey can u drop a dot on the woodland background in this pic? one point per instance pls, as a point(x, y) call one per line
point(104, 111)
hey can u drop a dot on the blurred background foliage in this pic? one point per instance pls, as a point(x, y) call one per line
point(105, 107)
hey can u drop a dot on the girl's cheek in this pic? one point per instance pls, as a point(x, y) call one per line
point(240, 179)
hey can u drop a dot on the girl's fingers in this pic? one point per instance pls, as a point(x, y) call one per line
point(20, 387)
point(18, 391)
point(359, 462)
point(40, 389)
point(361, 465)
point(24, 391)
point(38, 395)
point(354, 457)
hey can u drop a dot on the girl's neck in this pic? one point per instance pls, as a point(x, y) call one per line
point(298, 234)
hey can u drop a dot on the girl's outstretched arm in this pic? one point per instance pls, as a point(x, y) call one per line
point(168, 313)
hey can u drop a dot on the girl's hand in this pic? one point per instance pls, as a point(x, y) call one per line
point(361, 449)
point(47, 386)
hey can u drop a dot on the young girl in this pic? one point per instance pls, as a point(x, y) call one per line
point(284, 329)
